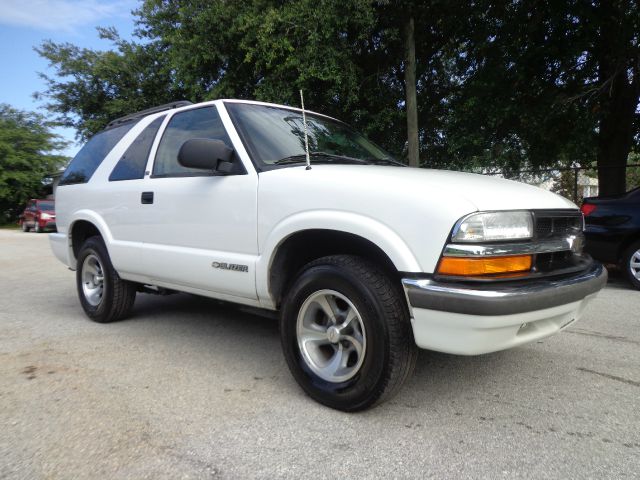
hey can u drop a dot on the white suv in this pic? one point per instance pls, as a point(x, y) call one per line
point(364, 258)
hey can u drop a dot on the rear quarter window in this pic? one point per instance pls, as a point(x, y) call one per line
point(133, 163)
point(89, 158)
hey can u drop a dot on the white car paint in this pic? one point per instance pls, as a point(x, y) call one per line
point(474, 335)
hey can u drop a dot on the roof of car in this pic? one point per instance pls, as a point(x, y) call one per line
point(143, 113)
point(180, 104)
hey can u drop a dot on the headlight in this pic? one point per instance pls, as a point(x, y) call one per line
point(45, 216)
point(492, 226)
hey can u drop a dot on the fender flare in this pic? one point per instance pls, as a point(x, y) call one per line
point(366, 227)
point(93, 218)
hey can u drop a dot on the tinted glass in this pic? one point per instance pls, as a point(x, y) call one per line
point(278, 133)
point(132, 164)
point(48, 206)
point(198, 123)
point(91, 155)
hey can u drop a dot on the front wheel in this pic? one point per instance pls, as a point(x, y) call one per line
point(25, 228)
point(36, 227)
point(346, 333)
point(104, 296)
point(631, 264)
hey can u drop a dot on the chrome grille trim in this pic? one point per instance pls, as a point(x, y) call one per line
point(573, 243)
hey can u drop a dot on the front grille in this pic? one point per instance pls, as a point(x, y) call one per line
point(548, 262)
point(550, 224)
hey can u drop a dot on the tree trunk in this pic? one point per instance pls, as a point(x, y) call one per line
point(615, 137)
point(618, 98)
point(410, 92)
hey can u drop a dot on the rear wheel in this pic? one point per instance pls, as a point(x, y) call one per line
point(36, 227)
point(346, 333)
point(631, 264)
point(25, 228)
point(104, 296)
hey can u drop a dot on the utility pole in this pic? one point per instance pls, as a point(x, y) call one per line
point(410, 92)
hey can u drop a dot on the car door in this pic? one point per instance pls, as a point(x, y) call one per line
point(200, 229)
point(119, 202)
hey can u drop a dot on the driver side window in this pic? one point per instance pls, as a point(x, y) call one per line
point(198, 123)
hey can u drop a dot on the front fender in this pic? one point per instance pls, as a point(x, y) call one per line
point(381, 235)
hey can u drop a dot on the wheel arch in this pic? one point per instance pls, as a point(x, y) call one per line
point(626, 243)
point(84, 225)
point(302, 240)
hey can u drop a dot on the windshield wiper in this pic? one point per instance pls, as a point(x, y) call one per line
point(319, 157)
point(324, 157)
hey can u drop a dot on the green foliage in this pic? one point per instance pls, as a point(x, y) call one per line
point(27, 155)
point(268, 50)
point(513, 106)
point(98, 86)
point(501, 85)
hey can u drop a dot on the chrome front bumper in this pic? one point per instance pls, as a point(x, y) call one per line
point(466, 319)
point(504, 298)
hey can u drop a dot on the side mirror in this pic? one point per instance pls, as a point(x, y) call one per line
point(206, 154)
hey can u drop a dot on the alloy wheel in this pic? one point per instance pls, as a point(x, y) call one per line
point(634, 264)
point(331, 336)
point(92, 280)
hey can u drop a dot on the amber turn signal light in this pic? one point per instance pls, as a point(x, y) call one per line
point(484, 266)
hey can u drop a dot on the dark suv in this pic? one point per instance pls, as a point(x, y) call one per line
point(38, 215)
point(612, 230)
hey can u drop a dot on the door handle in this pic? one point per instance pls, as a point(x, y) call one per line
point(146, 198)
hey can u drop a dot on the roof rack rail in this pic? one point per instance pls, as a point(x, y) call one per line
point(148, 111)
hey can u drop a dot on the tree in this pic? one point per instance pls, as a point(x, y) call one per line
point(91, 87)
point(615, 58)
point(27, 155)
point(347, 55)
point(549, 84)
point(335, 50)
point(499, 84)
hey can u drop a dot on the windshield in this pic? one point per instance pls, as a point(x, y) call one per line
point(47, 206)
point(275, 136)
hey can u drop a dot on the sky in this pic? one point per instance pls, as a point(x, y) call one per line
point(25, 24)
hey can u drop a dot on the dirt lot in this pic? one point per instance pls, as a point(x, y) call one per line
point(191, 388)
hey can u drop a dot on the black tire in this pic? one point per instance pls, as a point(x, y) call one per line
point(632, 251)
point(390, 353)
point(25, 228)
point(117, 295)
point(36, 227)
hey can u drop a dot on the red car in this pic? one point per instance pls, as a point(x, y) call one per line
point(39, 215)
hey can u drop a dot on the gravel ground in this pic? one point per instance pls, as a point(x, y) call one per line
point(192, 388)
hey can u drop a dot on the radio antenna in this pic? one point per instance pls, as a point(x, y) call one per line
point(306, 135)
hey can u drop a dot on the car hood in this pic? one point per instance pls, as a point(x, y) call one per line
point(483, 192)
